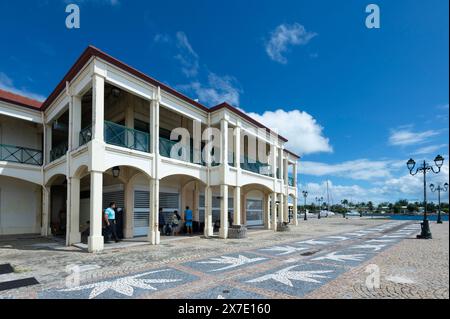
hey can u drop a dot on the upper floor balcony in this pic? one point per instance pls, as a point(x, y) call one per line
point(22, 155)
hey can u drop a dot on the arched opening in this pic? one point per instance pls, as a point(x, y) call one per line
point(179, 193)
point(255, 205)
point(20, 206)
point(57, 206)
point(128, 188)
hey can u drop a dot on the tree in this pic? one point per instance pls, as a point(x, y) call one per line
point(370, 206)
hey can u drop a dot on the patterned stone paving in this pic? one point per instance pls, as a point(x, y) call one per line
point(277, 269)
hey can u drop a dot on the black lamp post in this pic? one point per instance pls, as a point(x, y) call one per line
point(439, 189)
point(424, 168)
point(319, 200)
point(305, 194)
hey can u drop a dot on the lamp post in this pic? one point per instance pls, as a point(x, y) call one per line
point(305, 194)
point(424, 168)
point(319, 200)
point(439, 189)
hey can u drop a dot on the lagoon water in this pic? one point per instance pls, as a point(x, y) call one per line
point(416, 217)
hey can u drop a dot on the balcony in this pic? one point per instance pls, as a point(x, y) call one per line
point(119, 135)
point(23, 155)
point(58, 151)
point(291, 181)
point(255, 166)
point(165, 148)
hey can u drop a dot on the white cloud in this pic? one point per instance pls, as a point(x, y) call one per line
point(360, 169)
point(305, 135)
point(286, 35)
point(7, 84)
point(218, 89)
point(187, 57)
point(430, 149)
point(405, 136)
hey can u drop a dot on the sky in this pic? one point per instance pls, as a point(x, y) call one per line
point(355, 103)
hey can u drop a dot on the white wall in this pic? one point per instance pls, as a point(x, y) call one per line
point(20, 133)
point(20, 206)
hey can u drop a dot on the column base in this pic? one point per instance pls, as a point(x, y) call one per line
point(282, 226)
point(208, 232)
point(95, 243)
point(154, 237)
point(223, 233)
point(237, 232)
point(75, 238)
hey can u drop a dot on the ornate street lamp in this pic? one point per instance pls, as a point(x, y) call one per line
point(319, 200)
point(424, 168)
point(439, 189)
point(305, 194)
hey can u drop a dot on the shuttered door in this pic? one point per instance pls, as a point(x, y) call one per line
point(254, 210)
point(141, 213)
point(215, 208)
point(117, 196)
point(169, 202)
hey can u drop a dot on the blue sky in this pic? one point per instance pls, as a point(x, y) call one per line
point(356, 103)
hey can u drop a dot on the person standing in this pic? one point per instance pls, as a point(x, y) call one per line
point(188, 220)
point(110, 219)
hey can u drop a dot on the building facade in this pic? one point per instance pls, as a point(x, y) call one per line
point(111, 133)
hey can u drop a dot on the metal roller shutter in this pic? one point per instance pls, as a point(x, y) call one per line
point(254, 210)
point(141, 213)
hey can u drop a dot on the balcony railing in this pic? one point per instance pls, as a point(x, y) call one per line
point(165, 148)
point(17, 154)
point(255, 166)
point(120, 135)
point(58, 151)
point(85, 135)
point(291, 181)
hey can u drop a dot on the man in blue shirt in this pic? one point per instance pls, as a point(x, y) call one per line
point(110, 220)
point(188, 220)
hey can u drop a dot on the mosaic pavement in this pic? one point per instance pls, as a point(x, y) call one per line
point(285, 270)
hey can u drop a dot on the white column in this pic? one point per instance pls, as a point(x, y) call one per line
point(45, 226)
point(129, 210)
point(274, 160)
point(286, 208)
point(223, 232)
point(95, 241)
point(98, 107)
point(208, 212)
point(274, 211)
point(295, 211)
point(224, 143)
point(281, 208)
point(295, 172)
point(153, 231)
point(267, 221)
point(76, 121)
point(195, 205)
point(237, 206)
point(48, 142)
point(74, 211)
point(280, 162)
point(237, 146)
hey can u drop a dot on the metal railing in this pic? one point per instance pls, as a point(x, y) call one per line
point(58, 151)
point(85, 135)
point(17, 154)
point(123, 136)
point(291, 181)
point(255, 166)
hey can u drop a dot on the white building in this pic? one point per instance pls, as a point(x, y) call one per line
point(57, 158)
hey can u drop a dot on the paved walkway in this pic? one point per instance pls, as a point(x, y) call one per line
point(318, 259)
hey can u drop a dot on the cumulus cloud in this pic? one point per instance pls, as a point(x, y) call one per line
point(284, 36)
point(7, 84)
point(405, 136)
point(305, 135)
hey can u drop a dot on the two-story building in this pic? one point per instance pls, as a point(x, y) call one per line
point(106, 133)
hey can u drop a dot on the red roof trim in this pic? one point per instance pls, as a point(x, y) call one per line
point(293, 154)
point(20, 100)
point(92, 51)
